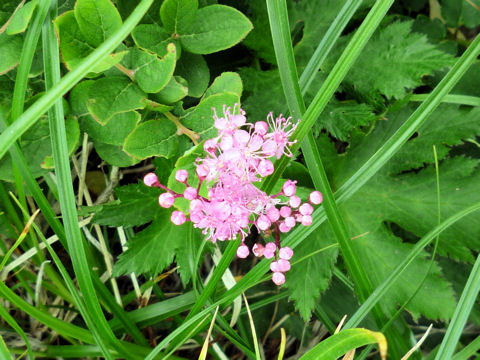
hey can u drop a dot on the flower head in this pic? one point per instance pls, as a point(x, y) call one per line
point(237, 158)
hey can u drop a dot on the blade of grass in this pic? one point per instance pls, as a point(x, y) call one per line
point(460, 316)
point(450, 98)
point(469, 350)
point(33, 113)
point(66, 195)
point(14, 325)
point(252, 327)
point(278, 16)
point(203, 352)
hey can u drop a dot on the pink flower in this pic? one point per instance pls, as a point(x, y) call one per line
point(166, 200)
point(237, 158)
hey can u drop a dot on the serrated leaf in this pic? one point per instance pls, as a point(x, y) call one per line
point(309, 278)
point(115, 131)
point(74, 46)
point(113, 95)
point(175, 90)
point(200, 119)
point(226, 82)
point(152, 73)
point(340, 118)
point(215, 28)
point(194, 69)
point(136, 205)
point(152, 138)
point(154, 38)
point(152, 249)
point(114, 155)
point(10, 50)
point(178, 15)
point(97, 20)
point(21, 18)
point(395, 60)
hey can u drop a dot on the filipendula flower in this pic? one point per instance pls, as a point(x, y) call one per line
point(237, 158)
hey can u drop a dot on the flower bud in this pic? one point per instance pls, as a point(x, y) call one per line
point(265, 168)
point(270, 246)
point(263, 222)
point(284, 227)
point(258, 250)
point(307, 220)
point(190, 193)
point(306, 209)
point(285, 211)
point(278, 278)
point(242, 251)
point(166, 200)
point(181, 175)
point(290, 221)
point(202, 171)
point(178, 218)
point(294, 201)
point(315, 197)
point(274, 266)
point(283, 265)
point(273, 214)
point(285, 253)
point(289, 188)
point(150, 179)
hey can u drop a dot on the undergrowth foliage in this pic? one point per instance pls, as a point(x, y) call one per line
point(170, 179)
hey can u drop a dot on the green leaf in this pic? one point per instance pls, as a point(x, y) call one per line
point(115, 131)
point(10, 50)
point(226, 82)
point(153, 38)
point(194, 69)
point(175, 90)
point(153, 138)
point(395, 60)
point(152, 249)
point(310, 274)
point(200, 119)
point(136, 205)
point(339, 344)
point(97, 20)
point(457, 13)
point(152, 73)
point(22, 17)
point(340, 118)
point(113, 95)
point(187, 248)
point(178, 15)
point(75, 47)
point(216, 27)
point(114, 155)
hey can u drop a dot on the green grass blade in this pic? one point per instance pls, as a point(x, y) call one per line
point(26, 58)
point(450, 98)
point(469, 350)
point(382, 289)
point(11, 321)
point(4, 353)
point(66, 194)
point(327, 42)
point(460, 316)
point(33, 113)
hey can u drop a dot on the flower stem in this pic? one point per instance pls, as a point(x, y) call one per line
point(182, 129)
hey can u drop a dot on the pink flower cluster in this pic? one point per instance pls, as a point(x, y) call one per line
point(235, 159)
